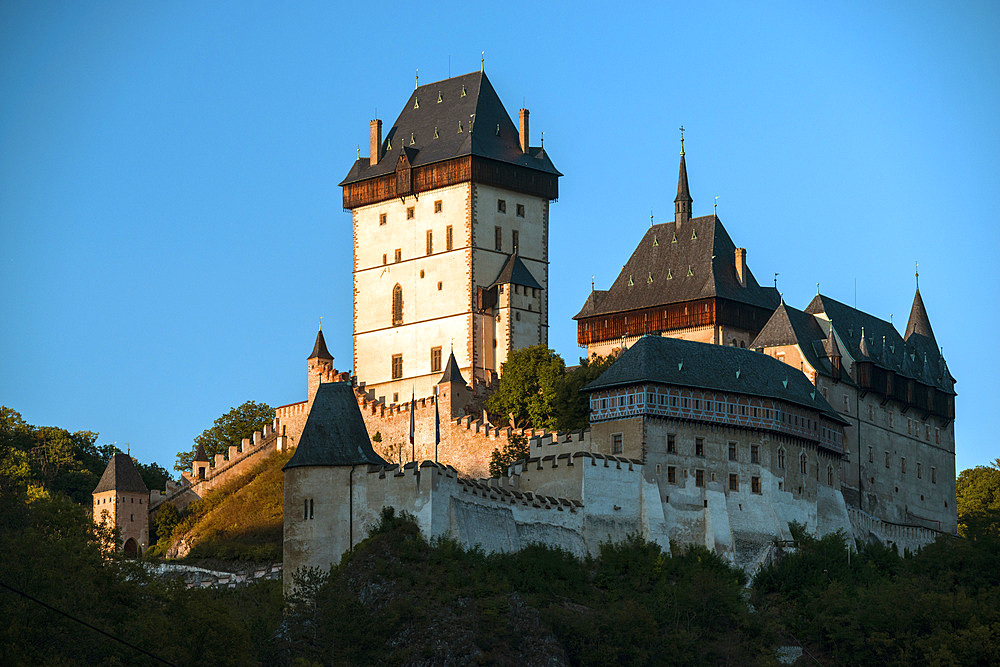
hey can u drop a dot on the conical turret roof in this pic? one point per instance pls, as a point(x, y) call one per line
point(200, 454)
point(451, 372)
point(319, 349)
point(335, 433)
point(918, 323)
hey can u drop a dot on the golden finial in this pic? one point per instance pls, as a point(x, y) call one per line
point(916, 273)
point(682, 140)
point(817, 289)
point(650, 217)
point(417, 85)
point(482, 61)
point(320, 322)
point(716, 206)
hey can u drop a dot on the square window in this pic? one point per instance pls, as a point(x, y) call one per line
point(514, 240)
point(437, 206)
point(616, 443)
point(671, 475)
point(734, 482)
point(447, 238)
point(409, 213)
point(699, 446)
point(671, 443)
point(397, 366)
point(430, 242)
point(439, 286)
point(520, 210)
point(382, 218)
point(887, 459)
point(384, 259)
point(395, 397)
point(732, 451)
point(933, 475)
point(501, 206)
point(498, 238)
point(755, 484)
point(699, 478)
point(435, 359)
point(399, 255)
point(754, 453)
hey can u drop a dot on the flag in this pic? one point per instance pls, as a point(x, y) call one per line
point(437, 431)
point(413, 409)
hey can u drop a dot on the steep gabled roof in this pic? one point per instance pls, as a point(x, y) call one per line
point(451, 372)
point(671, 361)
point(335, 433)
point(121, 475)
point(427, 130)
point(514, 272)
point(883, 345)
point(791, 326)
point(319, 348)
point(674, 264)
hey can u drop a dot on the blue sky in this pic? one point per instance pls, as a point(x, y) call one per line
point(171, 227)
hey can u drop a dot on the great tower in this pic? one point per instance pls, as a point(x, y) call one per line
point(450, 216)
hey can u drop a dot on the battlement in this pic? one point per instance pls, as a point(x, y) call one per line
point(446, 478)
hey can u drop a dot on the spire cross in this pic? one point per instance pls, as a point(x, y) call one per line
point(916, 273)
point(682, 140)
point(716, 206)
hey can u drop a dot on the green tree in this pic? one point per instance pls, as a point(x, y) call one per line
point(164, 521)
point(572, 408)
point(529, 388)
point(515, 450)
point(153, 474)
point(978, 491)
point(228, 430)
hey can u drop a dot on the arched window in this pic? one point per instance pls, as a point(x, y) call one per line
point(397, 305)
point(802, 463)
point(829, 475)
point(781, 459)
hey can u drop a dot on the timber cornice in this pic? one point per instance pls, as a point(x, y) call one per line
point(406, 180)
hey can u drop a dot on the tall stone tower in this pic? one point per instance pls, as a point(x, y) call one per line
point(121, 500)
point(450, 208)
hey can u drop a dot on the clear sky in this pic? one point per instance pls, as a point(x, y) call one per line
point(171, 228)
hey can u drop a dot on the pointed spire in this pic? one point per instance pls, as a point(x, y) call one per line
point(863, 346)
point(919, 323)
point(319, 349)
point(830, 345)
point(451, 374)
point(200, 454)
point(682, 203)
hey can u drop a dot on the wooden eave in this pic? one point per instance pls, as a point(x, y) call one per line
point(408, 180)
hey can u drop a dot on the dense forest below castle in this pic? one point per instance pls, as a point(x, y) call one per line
point(398, 598)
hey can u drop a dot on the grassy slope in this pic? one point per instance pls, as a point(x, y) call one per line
point(241, 520)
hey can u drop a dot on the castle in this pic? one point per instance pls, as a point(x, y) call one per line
point(727, 415)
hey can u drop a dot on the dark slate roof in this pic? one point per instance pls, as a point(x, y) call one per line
point(335, 433)
point(121, 475)
point(514, 272)
point(919, 323)
point(671, 361)
point(200, 455)
point(487, 130)
point(451, 372)
point(319, 349)
point(916, 357)
point(659, 257)
point(790, 326)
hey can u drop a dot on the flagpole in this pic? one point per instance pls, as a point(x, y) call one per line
point(413, 447)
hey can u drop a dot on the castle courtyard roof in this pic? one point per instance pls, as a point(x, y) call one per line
point(671, 361)
point(121, 475)
point(334, 433)
point(455, 117)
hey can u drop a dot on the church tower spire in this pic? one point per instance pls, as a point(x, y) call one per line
point(682, 203)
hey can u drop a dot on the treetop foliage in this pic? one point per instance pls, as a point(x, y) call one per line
point(228, 430)
point(978, 491)
point(536, 390)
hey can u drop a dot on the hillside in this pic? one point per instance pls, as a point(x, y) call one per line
point(241, 520)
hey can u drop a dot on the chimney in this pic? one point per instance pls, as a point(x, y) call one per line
point(376, 141)
point(522, 116)
point(741, 266)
